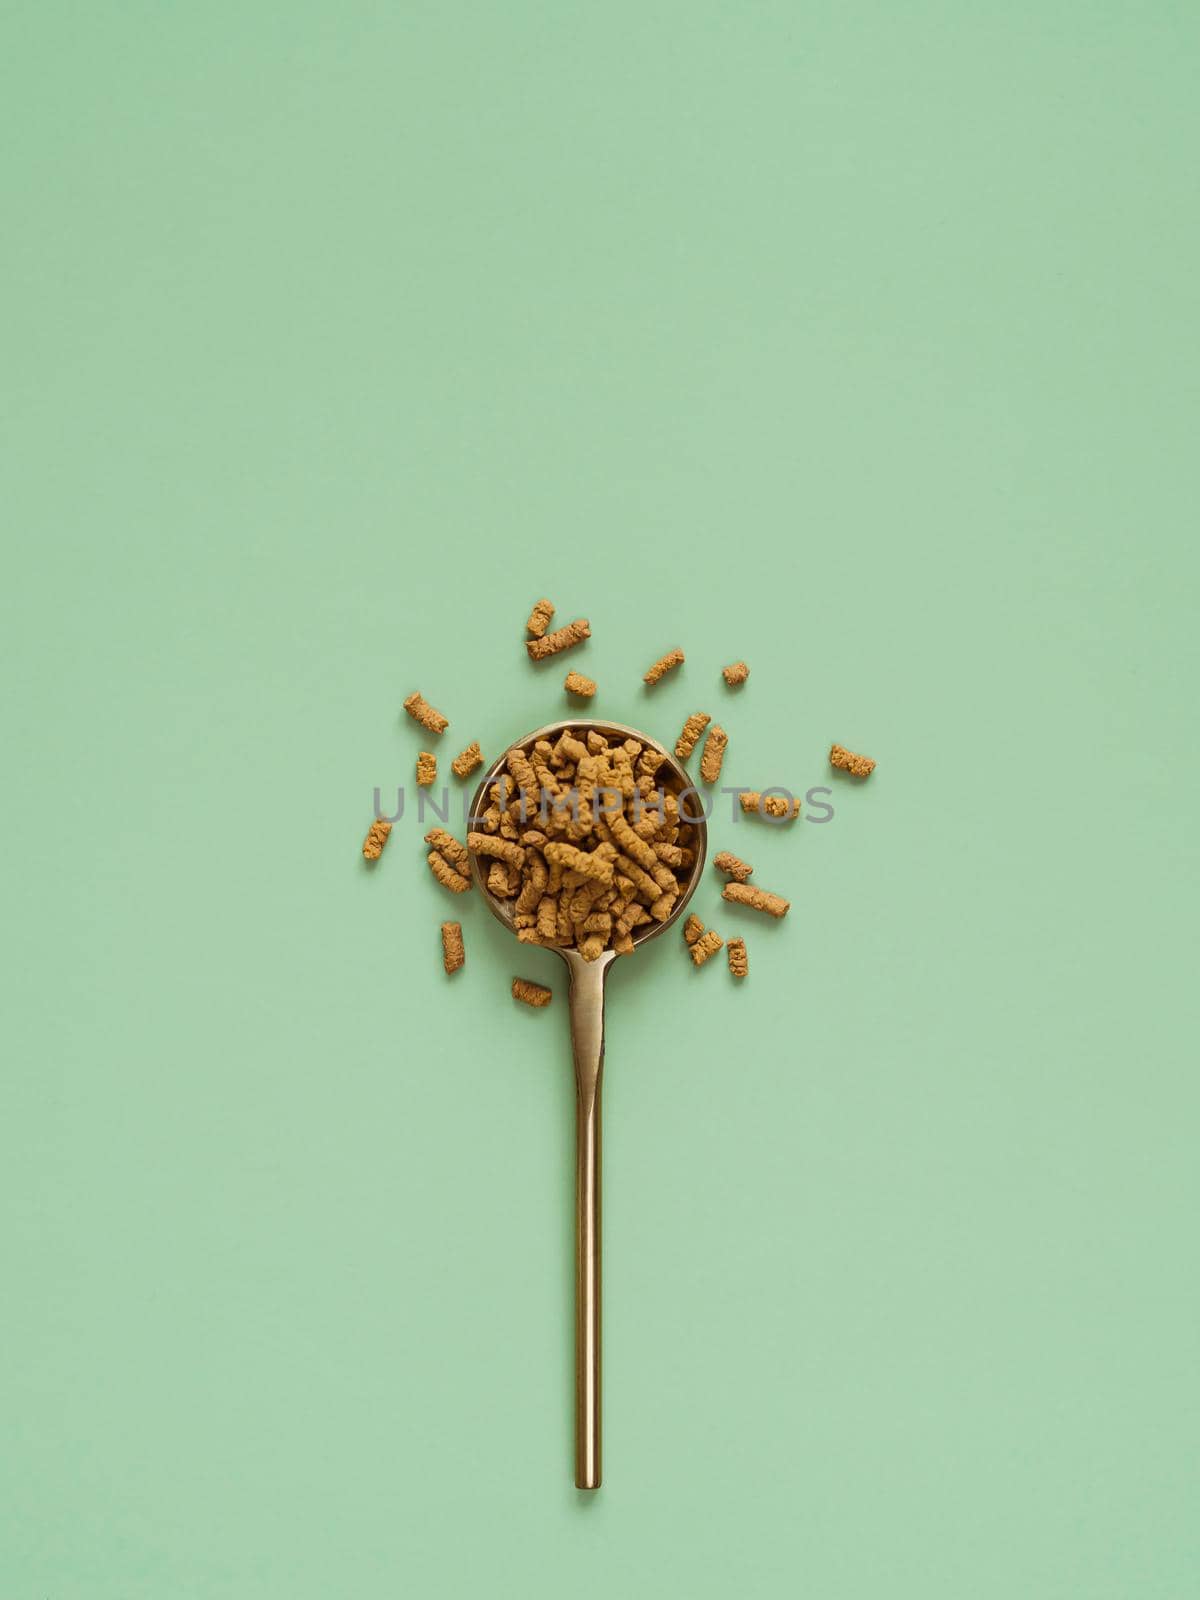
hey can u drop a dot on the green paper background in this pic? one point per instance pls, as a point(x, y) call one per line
point(857, 340)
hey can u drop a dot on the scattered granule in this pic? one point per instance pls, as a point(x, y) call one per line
point(739, 965)
point(533, 994)
point(377, 837)
point(714, 754)
point(692, 928)
point(591, 947)
point(576, 683)
point(561, 639)
point(455, 854)
point(769, 805)
point(425, 714)
point(426, 769)
point(726, 861)
point(689, 737)
point(706, 945)
point(485, 844)
point(453, 954)
point(466, 761)
point(446, 875)
point(780, 807)
point(859, 766)
point(539, 618)
point(745, 894)
point(662, 666)
point(737, 673)
point(448, 861)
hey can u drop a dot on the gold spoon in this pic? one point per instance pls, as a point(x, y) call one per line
point(586, 1002)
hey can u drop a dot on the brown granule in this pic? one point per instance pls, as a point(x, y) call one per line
point(486, 844)
point(770, 805)
point(466, 761)
point(662, 666)
point(377, 837)
point(726, 861)
point(690, 736)
point(449, 861)
point(446, 875)
point(714, 754)
point(562, 639)
point(447, 845)
point(532, 994)
point(425, 714)
point(453, 953)
point(539, 618)
point(588, 863)
point(706, 945)
point(547, 918)
point(503, 880)
point(858, 766)
point(745, 894)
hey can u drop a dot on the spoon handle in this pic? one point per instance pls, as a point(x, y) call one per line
point(587, 1042)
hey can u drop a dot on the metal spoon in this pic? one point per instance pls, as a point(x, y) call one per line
point(586, 1001)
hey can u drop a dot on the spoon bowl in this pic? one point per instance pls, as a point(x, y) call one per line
point(586, 1005)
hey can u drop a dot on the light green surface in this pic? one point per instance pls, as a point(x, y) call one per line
point(857, 340)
